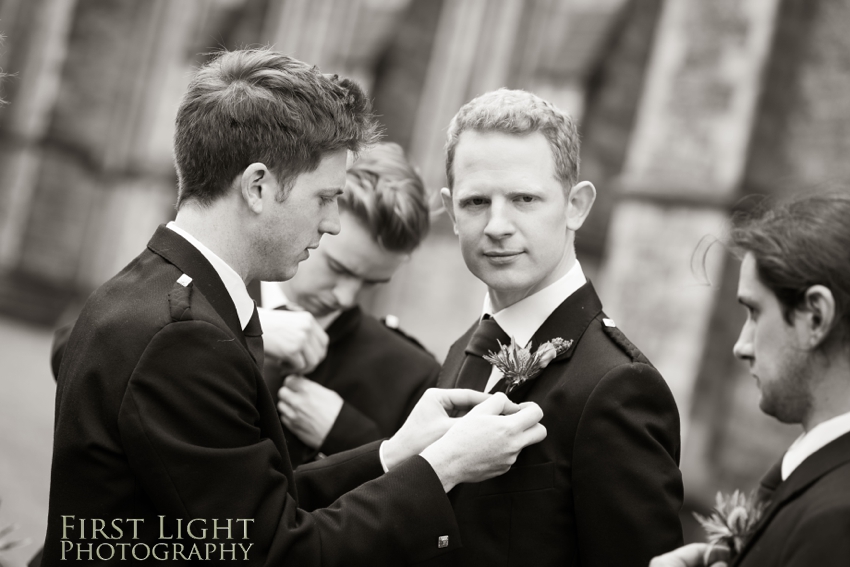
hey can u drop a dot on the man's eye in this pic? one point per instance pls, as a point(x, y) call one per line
point(474, 202)
point(527, 198)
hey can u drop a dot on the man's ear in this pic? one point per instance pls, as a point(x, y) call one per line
point(446, 196)
point(579, 202)
point(817, 314)
point(256, 182)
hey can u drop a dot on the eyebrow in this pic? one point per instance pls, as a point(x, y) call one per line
point(339, 266)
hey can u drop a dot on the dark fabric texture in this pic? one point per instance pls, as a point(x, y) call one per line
point(161, 410)
point(475, 371)
point(807, 523)
point(604, 487)
point(379, 374)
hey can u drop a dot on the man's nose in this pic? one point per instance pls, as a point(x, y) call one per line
point(330, 222)
point(346, 292)
point(743, 348)
point(499, 224)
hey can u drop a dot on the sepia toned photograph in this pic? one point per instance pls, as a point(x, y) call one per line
point(425, 282)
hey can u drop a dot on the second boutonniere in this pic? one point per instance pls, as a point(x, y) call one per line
point(734, 519)
point(518, 364)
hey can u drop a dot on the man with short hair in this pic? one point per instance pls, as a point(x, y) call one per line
point(604, 488)
point(372, 375)
point(167, 442)
point(795, 285)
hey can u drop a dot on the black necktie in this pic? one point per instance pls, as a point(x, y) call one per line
point(254, 337)
point(475, 371)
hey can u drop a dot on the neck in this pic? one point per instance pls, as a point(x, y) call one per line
point(213, 228)
point(830, 392)
point(502, 299)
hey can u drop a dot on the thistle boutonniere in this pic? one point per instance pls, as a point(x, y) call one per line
point(734, 519)
point(519, 364)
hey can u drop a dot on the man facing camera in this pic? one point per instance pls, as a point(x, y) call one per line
point(372, 375)
point(795, 285)
point(604, 488)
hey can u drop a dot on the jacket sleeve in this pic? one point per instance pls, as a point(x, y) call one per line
point(627, 484)
point(351, 429)
point(193, 435)
point(354, 428)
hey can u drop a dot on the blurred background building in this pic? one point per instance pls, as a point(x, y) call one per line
point(686, 107)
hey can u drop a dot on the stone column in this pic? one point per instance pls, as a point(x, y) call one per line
point(683, 170)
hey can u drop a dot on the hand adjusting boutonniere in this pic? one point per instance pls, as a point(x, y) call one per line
point(519, 364)
point(733, 521)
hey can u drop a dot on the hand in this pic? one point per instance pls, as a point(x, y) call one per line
point(308, 409)
point(295, 337)
point(693, 555)
point(486, 441)
point(429, 420)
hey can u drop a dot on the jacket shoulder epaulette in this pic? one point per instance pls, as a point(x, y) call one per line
point(180, 299)
point(622, 342)
point(391, 322)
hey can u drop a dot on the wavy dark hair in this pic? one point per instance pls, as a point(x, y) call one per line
point(799, 243)
point(386, 194)
point(258, 105)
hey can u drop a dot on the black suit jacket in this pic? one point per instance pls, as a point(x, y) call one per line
point(603, 488)
point(807, 523)
point(379, 374)
point(161, 410)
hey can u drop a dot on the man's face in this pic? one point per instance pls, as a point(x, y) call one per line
point(778, 360)
point(510, 213)
point(342, 268)
point(295, 225)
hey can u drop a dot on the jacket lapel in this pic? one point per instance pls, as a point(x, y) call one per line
point(177, 250)
point(450, 372)
point(569, 322)
point(816, 466)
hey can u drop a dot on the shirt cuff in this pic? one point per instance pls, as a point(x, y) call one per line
point(381, 457)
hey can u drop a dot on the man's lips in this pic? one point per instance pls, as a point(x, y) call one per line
point(502, 256)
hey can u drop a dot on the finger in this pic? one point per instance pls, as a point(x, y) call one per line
point(286, 411)
point(718, 554)
point(511, 407)
point(526, 417)
point(287, 396)
point(691, 554)
point(458, 399)
point(294, 382)
point(534, 434)
point(494, 405)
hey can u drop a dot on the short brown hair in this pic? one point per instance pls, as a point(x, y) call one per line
point(519, 112)
point(797, 244)
point(258, 105)
point(387, 195)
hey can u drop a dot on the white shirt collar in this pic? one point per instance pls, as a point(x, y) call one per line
point(272, 296)
point(817, 438)
point(522, 319)
point(232, 281)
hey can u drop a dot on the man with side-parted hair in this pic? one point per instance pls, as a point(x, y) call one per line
point(168, 445)
point(604, 487)
point(372, 375)
point(795, 286)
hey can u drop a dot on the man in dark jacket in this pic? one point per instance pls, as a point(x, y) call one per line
point(604, 488)
point(795, 285)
